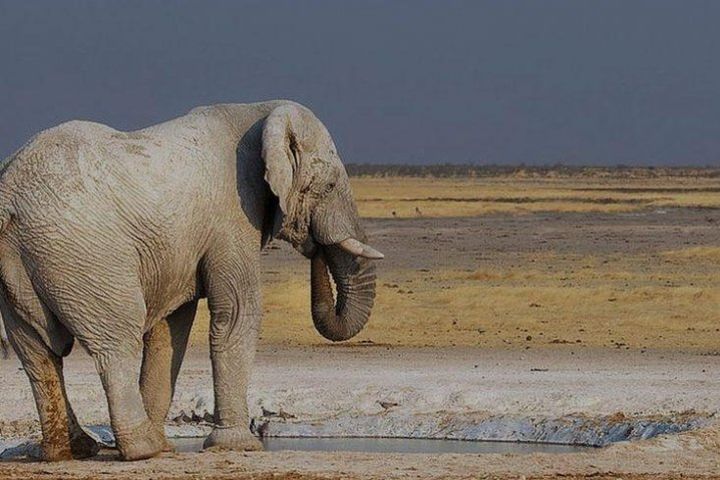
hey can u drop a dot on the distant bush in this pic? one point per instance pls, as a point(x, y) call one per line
point(558, 170)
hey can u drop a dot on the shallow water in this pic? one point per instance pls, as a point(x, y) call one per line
point(392, 445)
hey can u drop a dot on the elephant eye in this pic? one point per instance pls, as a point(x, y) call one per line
point(329, 187)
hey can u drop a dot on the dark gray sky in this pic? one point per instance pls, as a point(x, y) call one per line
point(507, 81)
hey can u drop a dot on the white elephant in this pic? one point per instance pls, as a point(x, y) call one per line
point(111, 238)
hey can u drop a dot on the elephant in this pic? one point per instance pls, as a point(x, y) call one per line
point(111, 237)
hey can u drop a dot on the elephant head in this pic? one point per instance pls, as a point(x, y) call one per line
point(317, 214)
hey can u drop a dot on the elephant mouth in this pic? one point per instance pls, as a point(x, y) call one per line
point(341, 318)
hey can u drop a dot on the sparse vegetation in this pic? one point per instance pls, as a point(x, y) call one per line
point(630, 302)
point(666, 299)
point(450, 170)
point(407, 197)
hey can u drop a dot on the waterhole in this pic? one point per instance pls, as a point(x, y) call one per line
point(391, 445)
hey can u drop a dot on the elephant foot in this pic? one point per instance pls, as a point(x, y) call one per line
point(54, 452)
point(83, 445)
point(167, 446)
point(144, 441)
point(237, 438)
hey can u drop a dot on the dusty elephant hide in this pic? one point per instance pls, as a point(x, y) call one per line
point(111, 237)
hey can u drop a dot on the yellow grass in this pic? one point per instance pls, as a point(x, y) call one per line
point(711, 254)
point(432, 197)
point(631, 302)
point(670, 300)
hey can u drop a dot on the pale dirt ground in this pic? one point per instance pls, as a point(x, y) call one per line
point(316, 383)
point(312, 381)
point(603, 282)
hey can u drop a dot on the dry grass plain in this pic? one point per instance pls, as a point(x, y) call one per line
point(518, 194)
point(571, 262)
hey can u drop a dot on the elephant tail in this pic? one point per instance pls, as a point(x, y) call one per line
point(4, 342)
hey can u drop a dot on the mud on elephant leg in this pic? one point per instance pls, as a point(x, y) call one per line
point(61, 429)
point(235, 309)
point(63, 438)
point(164, 349)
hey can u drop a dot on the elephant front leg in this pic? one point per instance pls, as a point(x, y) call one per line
point(234, 302)
point(231, 373)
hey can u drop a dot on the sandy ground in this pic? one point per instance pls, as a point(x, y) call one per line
point(316, 385)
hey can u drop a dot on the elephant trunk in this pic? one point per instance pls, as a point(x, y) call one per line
point(354, 277)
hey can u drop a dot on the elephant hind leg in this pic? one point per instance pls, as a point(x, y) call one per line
point(112, 334)
point(23, 314)
point(63, 438)
point(164, 349)
point(102, 302)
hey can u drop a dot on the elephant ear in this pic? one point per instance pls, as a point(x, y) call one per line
point(281, 153)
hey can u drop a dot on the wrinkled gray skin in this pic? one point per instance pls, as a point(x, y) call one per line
point(112, 237)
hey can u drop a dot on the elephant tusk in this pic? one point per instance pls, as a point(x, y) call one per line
point(359, 249)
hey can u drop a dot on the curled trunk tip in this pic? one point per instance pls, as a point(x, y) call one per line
point(341, 318)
